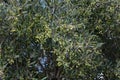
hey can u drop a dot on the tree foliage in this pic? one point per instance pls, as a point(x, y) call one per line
point(60, 39)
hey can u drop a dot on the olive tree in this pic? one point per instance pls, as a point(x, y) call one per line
point(60, 39)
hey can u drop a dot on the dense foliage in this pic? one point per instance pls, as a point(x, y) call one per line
point(60, 39)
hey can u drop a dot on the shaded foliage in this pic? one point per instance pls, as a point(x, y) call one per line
point(60, 39)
